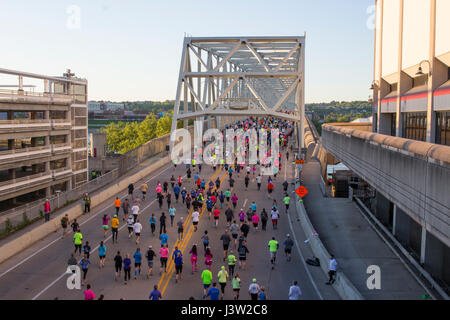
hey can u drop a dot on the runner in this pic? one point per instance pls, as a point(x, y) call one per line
point(208, 258)
point(234, 200)
point(246, 181)
point(222, 275)
point(144, 188)
point(275, 216)
point(231, 262)
point(245, 229)
point(209, 207)
point(285, 186)
point(236, 283)
point(155, 294)
point(180, 229)
point(137, 228)
point(273, 247)
point(270, 189)
point(130, 191)
point(152, 221)
point(195, 219)
point(160, 200)
point(164, 239)
point(286, 201)
point(75, 226)
point(117, 265)
point(105, 222)
point(180, 181)
point(164, 255)
point(262, 294)
point(255, 221)
point(254, 289)
point(294, 291)
point(234, 228)
point(207, 278)
point(213, 292)
point(216, 217)
point(226, 243)
point(115, 228)
point(205, 239)
point(172, 211)
point(194, 258)
point(102, 254)
point(77, 241)
point(183, 194)
point(241, 215)
point(135, 211)
point(229, 214)
point(150, 255)
point(165, 186)
point(176, 192)
point(64, 223)
point(243, 250)
point(125, 208)
point(130, 223)
point(178, 261)
point(288, 244)
point(137, 262)
point(87, 249)
point(84, 263)
point(88, 293)
point(162, 223)
point(228, 195)
point(188, 201)
point(258, 181)
point(172, 181)
point(264, 218)
point(221, 198)
point(127, 267)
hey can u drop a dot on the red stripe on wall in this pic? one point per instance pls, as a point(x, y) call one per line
point(387, 100)
point(421, 95)
point(442, 92)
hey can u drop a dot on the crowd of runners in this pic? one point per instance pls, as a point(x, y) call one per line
point(195, 196)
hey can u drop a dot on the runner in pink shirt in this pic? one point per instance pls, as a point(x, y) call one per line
point(255, 221)
point(88, 294)
point(164, 254)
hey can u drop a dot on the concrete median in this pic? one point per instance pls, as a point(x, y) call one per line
point(26, 240)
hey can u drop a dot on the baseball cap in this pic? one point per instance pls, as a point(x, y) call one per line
point(254, 280)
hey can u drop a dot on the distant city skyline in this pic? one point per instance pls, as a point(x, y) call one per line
point(131, 51)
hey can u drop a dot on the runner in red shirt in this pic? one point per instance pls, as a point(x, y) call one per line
point(216, 217)
point(270, 189)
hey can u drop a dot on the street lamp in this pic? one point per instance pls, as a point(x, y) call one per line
point(420, 71)
point(374, 85)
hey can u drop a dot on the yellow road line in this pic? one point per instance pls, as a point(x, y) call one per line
point(170, 263)
point(186, 241)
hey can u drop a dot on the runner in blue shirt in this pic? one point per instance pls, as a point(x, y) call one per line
point(164, 239)
point(137, 262)
point(178, 260)
point(176, 192)
point(102, 254)
point(155, 294)
point(209, 206)
point(213, 292)
point(152, 221)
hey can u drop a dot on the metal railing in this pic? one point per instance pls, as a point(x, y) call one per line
point(35, 209)
point(33, 94)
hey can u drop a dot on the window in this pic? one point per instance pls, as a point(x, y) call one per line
point(415, 125)
point(443, 128)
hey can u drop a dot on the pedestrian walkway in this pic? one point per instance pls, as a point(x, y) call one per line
point(346, 234)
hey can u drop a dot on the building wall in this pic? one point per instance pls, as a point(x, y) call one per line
point(408, 34)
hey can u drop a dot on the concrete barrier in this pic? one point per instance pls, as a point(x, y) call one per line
point(342, 285)
point(21, 243)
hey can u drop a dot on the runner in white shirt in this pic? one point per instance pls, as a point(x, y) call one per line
point(130, 223)
point(135, 211)
point(137, 228)
point(195, 219)
point(274, 214)
point(294, 291)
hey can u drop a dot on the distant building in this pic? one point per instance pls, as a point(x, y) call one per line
point(100, 107)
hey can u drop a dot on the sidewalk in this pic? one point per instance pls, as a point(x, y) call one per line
point(54, 214)
point(347, 235)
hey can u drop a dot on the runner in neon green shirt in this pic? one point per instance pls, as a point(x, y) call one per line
point(77, 241)
point(223, 276)
point(286, 201)
point(207, 278)
point(273, 247)
point(231, 262)
point(236, 283)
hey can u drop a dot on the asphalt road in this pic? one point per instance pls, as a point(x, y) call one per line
point(39, 271)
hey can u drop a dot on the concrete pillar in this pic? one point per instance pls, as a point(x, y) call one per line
point(10, 115)
point(423, 245)
point(46, 87)
point(10, 144)
point(431, 116)
point(47, 114)
point(33, 142)
point(34, 168)
point(12, 174)
point(394, 219)
point(20, 83)
point(48, 192)
point(47, 140)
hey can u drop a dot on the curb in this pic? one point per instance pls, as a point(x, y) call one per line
point(26, 240)
point(342, 285)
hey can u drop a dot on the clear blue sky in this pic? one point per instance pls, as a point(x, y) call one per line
point(130, 50)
